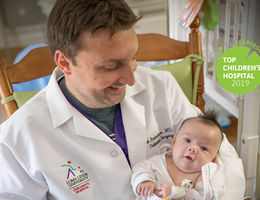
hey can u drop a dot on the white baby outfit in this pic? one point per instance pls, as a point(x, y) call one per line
point(155, 170)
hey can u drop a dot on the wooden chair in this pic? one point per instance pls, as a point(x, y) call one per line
point(37, 63)
point(155, 47)
point(152, 47)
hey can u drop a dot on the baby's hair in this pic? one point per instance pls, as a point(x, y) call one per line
point(208, 118)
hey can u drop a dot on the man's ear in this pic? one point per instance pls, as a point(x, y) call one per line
point(63, 62)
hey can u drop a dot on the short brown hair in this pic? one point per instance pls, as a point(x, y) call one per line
point(70, 18)
point(208, 118)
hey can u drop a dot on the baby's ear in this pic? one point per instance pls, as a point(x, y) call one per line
point(173, 141)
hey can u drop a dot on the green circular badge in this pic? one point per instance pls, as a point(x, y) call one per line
point(238, 70)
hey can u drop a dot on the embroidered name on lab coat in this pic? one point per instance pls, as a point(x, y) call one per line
point(77, 178)
point(166, 134)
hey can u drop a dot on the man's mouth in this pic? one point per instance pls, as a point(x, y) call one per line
point(116, 88)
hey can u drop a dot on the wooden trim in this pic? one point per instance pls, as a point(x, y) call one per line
point(196, 48)
point(6, 90)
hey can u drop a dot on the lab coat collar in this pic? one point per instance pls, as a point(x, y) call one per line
point(133, 115)
point(84, 127)
point(60, 109)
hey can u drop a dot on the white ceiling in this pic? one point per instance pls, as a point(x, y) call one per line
point(147, 6)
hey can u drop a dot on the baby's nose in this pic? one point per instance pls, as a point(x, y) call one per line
point(192, 149)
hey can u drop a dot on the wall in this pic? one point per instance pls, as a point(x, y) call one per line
point(22, 23)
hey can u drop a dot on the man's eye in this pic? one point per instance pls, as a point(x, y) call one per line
point(187, 140)
point(111, 67)
point(114, 66)
point(203, 148)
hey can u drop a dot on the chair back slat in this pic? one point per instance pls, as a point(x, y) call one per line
point(156, 47)
point(37, 63)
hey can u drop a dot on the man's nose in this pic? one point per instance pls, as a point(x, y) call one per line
point(127, 76)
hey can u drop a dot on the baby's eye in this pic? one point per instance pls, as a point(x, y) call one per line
point(203, 148)
point(187, 140)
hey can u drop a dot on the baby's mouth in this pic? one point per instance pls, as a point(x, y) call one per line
point(188, 158)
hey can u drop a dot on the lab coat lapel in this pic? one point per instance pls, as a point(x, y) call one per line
point(61, 111)
point(86, 128)
point(133, 115)
point(58, 105)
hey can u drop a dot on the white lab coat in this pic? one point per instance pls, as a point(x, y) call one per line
point(48, 150)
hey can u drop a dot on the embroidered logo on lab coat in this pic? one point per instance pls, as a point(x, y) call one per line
point(76, 178)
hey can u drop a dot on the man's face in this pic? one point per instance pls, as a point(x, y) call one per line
point(103, 68)
point(195, 145)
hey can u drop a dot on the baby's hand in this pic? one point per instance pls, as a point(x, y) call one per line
point(145, 188)
point(164, 190)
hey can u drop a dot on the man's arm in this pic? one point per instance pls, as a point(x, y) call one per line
point(15, 181)
point(233, 171)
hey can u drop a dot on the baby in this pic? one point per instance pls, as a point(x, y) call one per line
point(191, 170)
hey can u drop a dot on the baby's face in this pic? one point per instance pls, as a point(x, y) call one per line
point(195, 145)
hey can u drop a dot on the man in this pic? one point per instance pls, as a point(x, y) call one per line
point(99, 115)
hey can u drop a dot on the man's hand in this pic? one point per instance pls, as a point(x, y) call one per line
point(145, 189)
